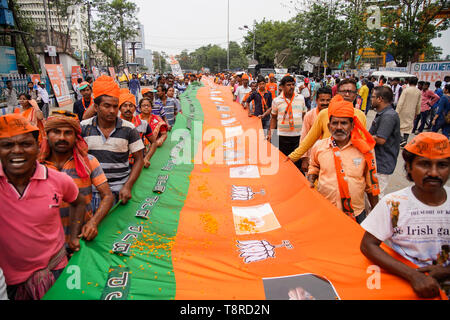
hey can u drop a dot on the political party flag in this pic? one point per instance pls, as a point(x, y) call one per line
point(199, 228)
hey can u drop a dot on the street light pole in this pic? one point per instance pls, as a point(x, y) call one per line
point(254, 39)
point(326, 43)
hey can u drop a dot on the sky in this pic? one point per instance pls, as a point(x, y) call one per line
point(174, 25)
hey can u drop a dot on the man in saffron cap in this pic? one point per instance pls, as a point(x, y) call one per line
point(346, 91)
point(344, 164)
point(415, 221)
point(127, 112)
point(32, 253)
point(63, 149)
point(111, 140)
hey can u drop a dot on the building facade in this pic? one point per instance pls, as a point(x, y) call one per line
point(77, 21)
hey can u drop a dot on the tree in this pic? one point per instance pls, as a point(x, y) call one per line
point(271, 37)
point(408, 28)
point(118, 18)
point(24, 53)
point(238, 60)
point(324, 32)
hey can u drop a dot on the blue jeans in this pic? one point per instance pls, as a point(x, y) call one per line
point(423, 120)
point(440, 124)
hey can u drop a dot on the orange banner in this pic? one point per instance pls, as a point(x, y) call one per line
point(255, 230)
point(59, 84)
point(76, 74)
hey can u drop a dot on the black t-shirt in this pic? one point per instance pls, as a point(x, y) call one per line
point(255, 96)
point(78, 108)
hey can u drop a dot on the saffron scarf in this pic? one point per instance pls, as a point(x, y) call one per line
point(289, 112)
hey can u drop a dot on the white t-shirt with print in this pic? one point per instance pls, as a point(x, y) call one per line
point(413, 229)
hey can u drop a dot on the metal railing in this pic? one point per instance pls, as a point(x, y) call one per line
point(20, 83)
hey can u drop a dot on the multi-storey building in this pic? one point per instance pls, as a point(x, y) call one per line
point(76, 23)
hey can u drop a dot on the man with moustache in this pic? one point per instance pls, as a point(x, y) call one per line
point(111, 140)
point(63, 149)
point(415, 221)
point(344, 164)
point(346, 91)
point(32, 253)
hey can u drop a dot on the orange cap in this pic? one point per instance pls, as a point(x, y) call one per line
point(340, 108)
point(14, 124)
point(271, 75)
point(106, 85)
point(127, 97)
point(430, 145)
point(245, 77)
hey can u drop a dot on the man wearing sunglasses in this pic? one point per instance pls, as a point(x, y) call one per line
point(346, 89)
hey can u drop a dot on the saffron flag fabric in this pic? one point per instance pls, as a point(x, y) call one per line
point(220, 215)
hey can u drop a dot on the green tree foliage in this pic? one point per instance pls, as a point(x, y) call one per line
point(27, 26)
point(116, 22)
point(408, 27)
point(271, 37)
point(213, 57)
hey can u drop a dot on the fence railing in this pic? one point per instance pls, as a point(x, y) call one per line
point(20, 83)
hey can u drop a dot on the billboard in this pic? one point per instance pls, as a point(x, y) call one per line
point(59, 84)
point(112, 73)
point(35, 78)
point(8, 62)
point(176, 68)
point(76, 73)
point(431, 71)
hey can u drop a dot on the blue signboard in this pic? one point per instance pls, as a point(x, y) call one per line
point(8, 62)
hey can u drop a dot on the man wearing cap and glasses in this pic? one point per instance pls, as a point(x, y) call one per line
point(319, 130)
point(33, 253)
point(86, 101)
point(415, 221)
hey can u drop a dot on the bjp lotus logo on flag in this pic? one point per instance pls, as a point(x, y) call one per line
point(259, 250)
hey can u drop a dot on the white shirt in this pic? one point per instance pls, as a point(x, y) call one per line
point(241, 92)
point(411, 228)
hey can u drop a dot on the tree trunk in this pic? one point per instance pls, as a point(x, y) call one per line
point(24, 40)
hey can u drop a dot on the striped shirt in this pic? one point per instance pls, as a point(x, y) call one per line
point(113, 153)
point(169, 109)
point(158, 109)
point(96, 179)
point(279, 107)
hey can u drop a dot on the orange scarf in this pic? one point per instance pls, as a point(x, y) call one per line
point(289, 111)
point(344, 191)
point(263, 101)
